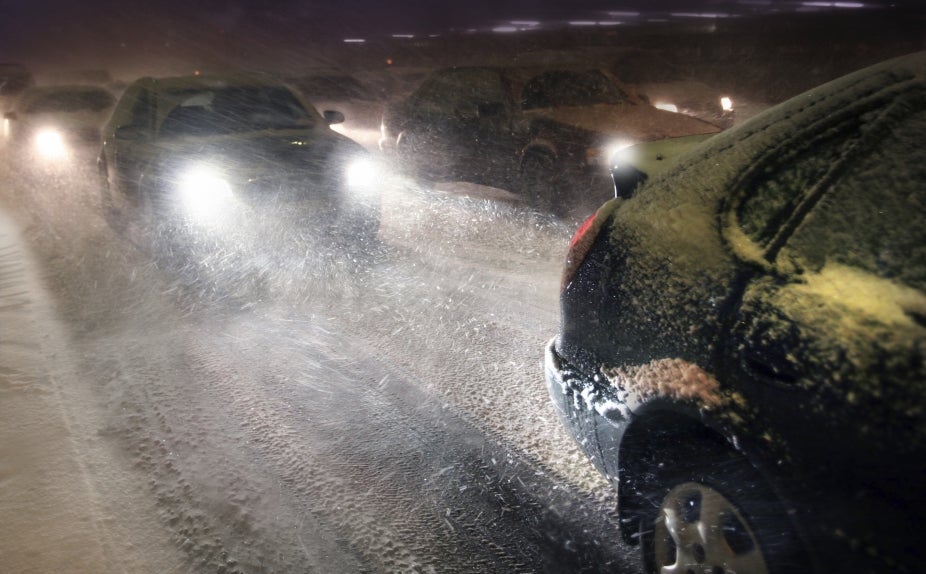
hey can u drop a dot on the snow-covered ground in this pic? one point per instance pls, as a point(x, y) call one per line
point(63, 507)
point(384, 417)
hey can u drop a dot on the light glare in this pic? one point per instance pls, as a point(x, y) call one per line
point(361, 174)
point(617, 149)
point(50, 144)
point(204, 193)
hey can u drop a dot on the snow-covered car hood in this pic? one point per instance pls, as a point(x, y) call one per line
point(636, 122)
point(653, 157)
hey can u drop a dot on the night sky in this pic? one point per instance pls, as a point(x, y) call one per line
point(112, 33)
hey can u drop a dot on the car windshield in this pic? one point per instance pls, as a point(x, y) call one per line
point(567, 88)
point(70, 101)
point(333, 88)
point(461, 90)
point(234, 109)
point(462, 287)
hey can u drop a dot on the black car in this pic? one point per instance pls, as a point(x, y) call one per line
point(547, 134)
point(231, 156)
point(743, 342)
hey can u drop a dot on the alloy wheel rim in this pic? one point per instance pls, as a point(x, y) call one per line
point(700, 531)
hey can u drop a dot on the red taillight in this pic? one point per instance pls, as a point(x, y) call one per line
point(580, 245)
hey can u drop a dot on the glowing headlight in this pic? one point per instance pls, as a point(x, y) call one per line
point(204, 193)
point(726, 103)
point(362, 174)
point(50, 144)
point(666, 106)
point(604, 155)
point(625, 155)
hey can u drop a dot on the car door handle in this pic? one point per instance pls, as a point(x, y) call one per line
point(764, 368)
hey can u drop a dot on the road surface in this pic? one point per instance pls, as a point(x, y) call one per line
point(344, 414)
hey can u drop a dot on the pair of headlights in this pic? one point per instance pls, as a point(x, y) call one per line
point(205, 191)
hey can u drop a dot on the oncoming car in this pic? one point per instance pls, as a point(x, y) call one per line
point(57, 123)
point(224, 157)
point(743, 342)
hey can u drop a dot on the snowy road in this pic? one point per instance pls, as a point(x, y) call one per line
point(382, 417)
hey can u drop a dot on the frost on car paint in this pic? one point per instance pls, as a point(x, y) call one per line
point(763, 300)
point(670, 378)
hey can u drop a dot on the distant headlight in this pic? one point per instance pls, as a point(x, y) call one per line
point(204, 193)
point(362, 174)
point(49, 143)
point(726, 104)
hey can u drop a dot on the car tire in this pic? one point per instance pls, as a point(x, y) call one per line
point(539, 181)
point(706, 509)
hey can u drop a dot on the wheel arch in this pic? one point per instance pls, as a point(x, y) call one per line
point(657, 426)
point(661, 427)
point(539, 146)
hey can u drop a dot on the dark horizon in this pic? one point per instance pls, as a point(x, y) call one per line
point(54, 34)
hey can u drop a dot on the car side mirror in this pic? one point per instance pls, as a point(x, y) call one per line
point(333, 117)
point(130, 133)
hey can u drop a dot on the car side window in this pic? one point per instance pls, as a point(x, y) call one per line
point(774, 191)
point(466, 93)
point(874, 217)
point(568, 88)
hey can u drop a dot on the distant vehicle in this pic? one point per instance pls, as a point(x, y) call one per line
point(14, 78)
point(743, 342)
point(667, 88)
point(58, 123)
point(337, 91)
point(97, 77)
point(216, 156)
point(547, 134)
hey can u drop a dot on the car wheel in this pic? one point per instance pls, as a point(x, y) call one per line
point(539, 181)
point(710, 512)
point(699, 528)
